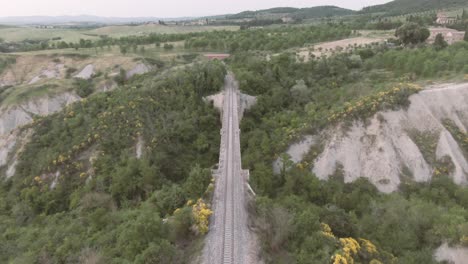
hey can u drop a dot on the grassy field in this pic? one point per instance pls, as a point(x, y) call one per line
point(22, 33)
point(74, 35)
point(120, 31)
point(142, 51)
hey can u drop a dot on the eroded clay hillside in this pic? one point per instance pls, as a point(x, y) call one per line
point(426, 139)
point(31, 69)
point(39, 85)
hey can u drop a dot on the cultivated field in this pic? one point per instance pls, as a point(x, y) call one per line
point(32, 33)
point(120, 31)
point(74, 35)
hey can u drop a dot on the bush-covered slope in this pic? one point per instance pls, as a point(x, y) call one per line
point(399, 7)
point(271, 39)
point(303, 13)
point(302, 219)
point(82, 192)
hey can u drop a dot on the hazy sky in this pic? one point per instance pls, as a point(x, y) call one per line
point(158, 8)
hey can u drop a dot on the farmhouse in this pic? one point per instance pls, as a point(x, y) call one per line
point(443, 19)
point(450, 35)
point(287, 19)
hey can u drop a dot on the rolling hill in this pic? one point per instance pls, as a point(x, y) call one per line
point(302, 13)
point(400, 7)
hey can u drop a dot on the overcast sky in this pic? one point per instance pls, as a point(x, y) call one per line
point(158, 8)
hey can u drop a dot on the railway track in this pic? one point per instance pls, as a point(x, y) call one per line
point(228, 243)
point(228, 239)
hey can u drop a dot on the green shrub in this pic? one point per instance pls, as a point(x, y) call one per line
point(83, 87)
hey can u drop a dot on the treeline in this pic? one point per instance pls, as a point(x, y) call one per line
point(97, 179)
point(425, 62)
point(267, 39)
point(103, 41)
point(381, 22)
point(271, 39)
point(259, 23)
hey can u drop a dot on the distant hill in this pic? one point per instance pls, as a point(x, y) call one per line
point(51, 20)
point(400, 7)
point(298, 13)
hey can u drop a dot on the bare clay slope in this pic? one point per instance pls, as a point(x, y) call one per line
point(26, 99)
point(385, 148)
point(14, 117)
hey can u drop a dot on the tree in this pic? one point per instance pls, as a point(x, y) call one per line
point(466, 35)
point(123, 49)
point(82, 43)
point(168, 46)
point(61, 45)
point(440, 43)
point(412, 33)
point(83, 87)
point(196, 183)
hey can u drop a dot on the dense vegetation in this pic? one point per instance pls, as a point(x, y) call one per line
point(412, 33)
point(81, 193)
point(118, 176)
point(271, 39)
point(302, 219)
point(267, 39)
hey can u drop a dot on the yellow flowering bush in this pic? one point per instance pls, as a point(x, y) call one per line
point(369, 105)
point(351, 250)
point(464, 240)
point(201, 214)
point(338, 259)
point(326, 230)
point(368, 245)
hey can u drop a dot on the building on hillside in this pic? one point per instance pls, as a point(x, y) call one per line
point(450, 35)
point(287, 19)
point(444, 19)
point(200, 22)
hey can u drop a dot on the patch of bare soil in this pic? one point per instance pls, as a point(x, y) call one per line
point(327, 48)
point(455, 255)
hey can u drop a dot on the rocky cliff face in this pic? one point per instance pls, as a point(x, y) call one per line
point(415, 143)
